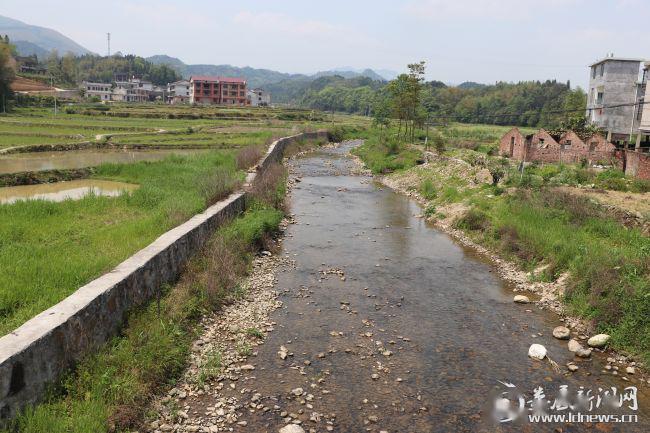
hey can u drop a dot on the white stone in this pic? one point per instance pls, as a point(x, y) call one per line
point(537, 351)
point(521, 299)
point(292, 428)
point(561, 332)
point(574, 345)
point(599, 340)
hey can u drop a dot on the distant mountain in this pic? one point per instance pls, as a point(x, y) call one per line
point(255, 77)
point(387, 74)
point(350, 74)
point(25, 48)
point(470, 85)
point(38, 40)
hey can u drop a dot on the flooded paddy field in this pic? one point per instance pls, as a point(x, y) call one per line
point(60, 191)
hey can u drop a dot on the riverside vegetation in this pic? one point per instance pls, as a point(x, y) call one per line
point(110, 390)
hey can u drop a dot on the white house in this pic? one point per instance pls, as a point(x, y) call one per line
point(178, 92)
point(102, 91)
point(259, 98)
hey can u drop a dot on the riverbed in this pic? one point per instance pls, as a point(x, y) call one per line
point(389, 325)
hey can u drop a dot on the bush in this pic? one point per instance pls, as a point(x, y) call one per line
point(428, 190)
point(248, 157)
point(474, 219)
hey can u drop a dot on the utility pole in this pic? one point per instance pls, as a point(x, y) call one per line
point(54, 90)
point(108, 41)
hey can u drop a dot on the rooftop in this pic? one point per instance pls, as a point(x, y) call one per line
point(616, 59)
point(213, 78)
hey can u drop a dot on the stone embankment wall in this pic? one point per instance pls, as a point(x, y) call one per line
point(39, 352)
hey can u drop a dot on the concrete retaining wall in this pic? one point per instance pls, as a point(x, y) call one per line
point(41, 350)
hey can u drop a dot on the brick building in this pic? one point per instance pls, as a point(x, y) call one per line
point(568, 147)
point(217, 90)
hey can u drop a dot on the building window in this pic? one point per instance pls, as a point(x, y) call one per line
point(593, 72)
point(602, 69)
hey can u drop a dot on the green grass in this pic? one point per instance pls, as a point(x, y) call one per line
point(386, 157)
point(111, 389)
point(609, 265)
point(48, 250)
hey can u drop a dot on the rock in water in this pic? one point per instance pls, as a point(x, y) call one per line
point(574, 346)
point(561, 332)
point(521, 299)
point(292, 428)
point(599, 340)
point(537, 351)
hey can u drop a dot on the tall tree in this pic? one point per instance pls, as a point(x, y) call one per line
point(7, 74)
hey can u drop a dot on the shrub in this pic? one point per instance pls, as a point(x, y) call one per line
point(217, 185)
point(248, 157)
point(474, 219)
point(428, 190)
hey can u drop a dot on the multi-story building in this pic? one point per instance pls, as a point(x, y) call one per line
point(259, 98)
point(178, 92)
point(644, 123)
point(103, 91)
point(217, 90)
point(133, 90)
point(615, 88)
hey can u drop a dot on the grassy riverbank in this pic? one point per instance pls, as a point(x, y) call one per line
point(110, 390)
point(538, 221)
point(48, 250)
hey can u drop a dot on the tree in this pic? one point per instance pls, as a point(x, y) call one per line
point(406, 92)
point(7, 74)
point(381, 110)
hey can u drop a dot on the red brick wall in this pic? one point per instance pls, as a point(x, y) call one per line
point(543, 148)
point(637, 164)
point(569, 148)
point(513, 144)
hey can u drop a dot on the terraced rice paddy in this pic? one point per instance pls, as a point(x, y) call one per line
point(49, 249)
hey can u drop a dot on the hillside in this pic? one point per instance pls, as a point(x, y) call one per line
point(256, 77)
point(37, 40)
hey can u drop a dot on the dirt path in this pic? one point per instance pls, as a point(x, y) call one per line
point(384, 325)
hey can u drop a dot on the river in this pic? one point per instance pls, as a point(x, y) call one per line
point(394, 327)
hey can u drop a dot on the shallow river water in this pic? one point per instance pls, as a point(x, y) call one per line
point(421, 335)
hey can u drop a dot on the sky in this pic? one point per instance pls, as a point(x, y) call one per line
point(460, 40)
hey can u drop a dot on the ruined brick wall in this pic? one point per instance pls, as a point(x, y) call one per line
point(569, 148)
point(513, 144)
point(543, 148)
point(637, 164)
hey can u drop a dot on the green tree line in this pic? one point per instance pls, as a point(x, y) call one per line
point(70, 70)
point(527, 103)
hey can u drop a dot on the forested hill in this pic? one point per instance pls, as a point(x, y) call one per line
point(70, 70)
point(527, 103)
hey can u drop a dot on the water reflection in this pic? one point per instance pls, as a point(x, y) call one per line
point(65, 160)
point(59, 191)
